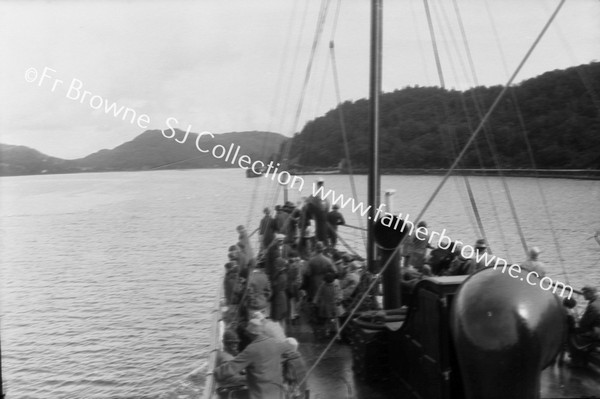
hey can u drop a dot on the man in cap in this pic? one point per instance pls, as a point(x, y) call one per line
point(533, 264)
point(317, 208)
point(472, 265)
point(459, 265)
point(258, 290)
point(334, 219)
point(419, 242)
point(262, 360)
point(589, 324)
point(587, 334)
point(267, 229)
point(318, 266)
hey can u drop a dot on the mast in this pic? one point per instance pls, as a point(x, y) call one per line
point(374, 95)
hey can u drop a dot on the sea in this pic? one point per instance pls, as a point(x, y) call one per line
point(107, 279)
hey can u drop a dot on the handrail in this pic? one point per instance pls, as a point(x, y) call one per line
point(209, 386)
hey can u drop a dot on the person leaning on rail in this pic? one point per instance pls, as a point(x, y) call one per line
point(533, 264)
point(262, 359)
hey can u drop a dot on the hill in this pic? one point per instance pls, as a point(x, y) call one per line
point(425, 127)
point(21, 160)
point(152, 150)
point(149, 150)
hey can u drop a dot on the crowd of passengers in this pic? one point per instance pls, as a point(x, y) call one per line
point(292, 271)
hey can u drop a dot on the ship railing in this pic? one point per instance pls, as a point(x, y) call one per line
point(216, 332)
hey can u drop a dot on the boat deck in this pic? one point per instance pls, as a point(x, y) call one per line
point(334, 376)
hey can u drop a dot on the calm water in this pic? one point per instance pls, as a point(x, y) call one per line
point(106, 279)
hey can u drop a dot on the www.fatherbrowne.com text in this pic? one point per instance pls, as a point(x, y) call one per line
point(443, 241)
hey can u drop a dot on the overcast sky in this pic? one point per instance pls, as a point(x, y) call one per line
point(236, 65)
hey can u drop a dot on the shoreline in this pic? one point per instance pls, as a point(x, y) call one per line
point(578, 174)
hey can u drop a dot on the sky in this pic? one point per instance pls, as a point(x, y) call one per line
point(239, 65)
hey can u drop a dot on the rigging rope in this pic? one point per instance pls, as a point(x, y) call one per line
point(316, 40)
point(275, 101)
point(446, 115)
point(493, 106)
point(487, 130)
point(529, 148)
point(439, 187)
point(343, 128)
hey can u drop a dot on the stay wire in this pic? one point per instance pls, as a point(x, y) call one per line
point(469, 124)
point(446, 115)
point(522, 124)
point(344, 131)
point(274, 102)
point(292, 73)
point(487, 132)
point(317, 37)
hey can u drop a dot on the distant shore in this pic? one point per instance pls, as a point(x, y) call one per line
point(581, 174)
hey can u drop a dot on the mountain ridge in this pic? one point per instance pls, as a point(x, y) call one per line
point(149, 150)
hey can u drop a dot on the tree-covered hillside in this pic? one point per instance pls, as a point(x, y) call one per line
point(425, 127)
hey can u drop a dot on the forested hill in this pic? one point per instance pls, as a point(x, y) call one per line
point(425, 127)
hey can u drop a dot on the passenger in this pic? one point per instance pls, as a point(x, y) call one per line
point(231, 282)
point(245, 241)
point(266, 229)
point(318, 266)
point(230, 350)
point(472, 266)
point(419, 242)
point(308, 242)
point(334, 219)
point(291, 225)
point(279, 300)
point(258, 290)
point(459, 265)
point(262, 360)
point(587, 334)
point(328, 298)
point(294, 372)
point(275, 263)
point(317, 208)
point(281, 218)
point(238, 254)
point(533, 264)
point(349, 282)
point(294, 281)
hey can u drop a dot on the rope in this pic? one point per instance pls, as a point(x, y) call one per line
point(493, 107)
point(487, 132)
point(396, 251)
point(446, 115)
point(528, 145)
point(343, 127)
point(316, 40)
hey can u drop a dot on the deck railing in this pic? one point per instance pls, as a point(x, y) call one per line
point(215, 343)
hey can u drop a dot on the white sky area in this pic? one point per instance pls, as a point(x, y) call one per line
point(237, 65)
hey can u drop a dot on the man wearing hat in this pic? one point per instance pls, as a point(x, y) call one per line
point(587, 334)
point(318, 266)
point(472, 265)
point(262, 361)
point(334, 219)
